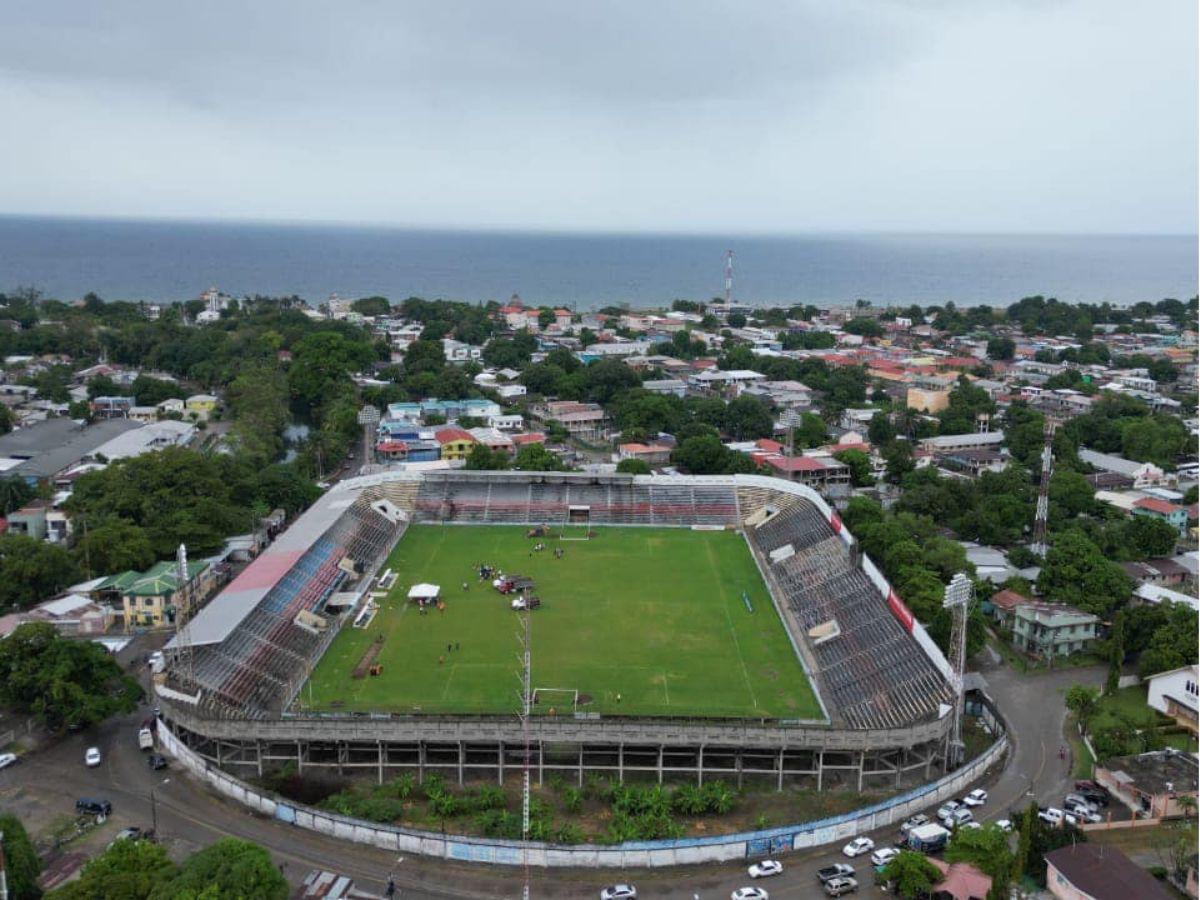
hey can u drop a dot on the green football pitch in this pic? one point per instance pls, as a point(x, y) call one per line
point(634, 621)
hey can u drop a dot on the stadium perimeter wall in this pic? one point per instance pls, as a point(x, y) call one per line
point(638, 854)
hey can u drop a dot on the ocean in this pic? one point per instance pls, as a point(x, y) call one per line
point(174, 261)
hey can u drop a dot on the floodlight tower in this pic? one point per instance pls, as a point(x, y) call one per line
point(1041, 517)
point(526, 709)
point(959, 594)
point(368, 418)
point(183, 609)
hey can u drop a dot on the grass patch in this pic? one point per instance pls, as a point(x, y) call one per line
point(643, 621)
point(1082, 761)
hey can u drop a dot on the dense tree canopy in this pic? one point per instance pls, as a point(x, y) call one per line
point(21, 863)
point(64, 683)
point(32, 570)
point(1077, 573)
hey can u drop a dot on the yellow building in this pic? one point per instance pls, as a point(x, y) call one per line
point(927, 400)
point(203, 405)
point(456, 443)
point(148, 598)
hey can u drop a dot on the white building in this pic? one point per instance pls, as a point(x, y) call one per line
point(1175, 694)
point(1143, 474)
point(509, 391)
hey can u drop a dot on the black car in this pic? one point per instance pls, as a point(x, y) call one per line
point(92, 807)
point(156, 761)
point(837, 870)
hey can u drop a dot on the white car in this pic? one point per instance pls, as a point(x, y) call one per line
point(1004, 825)
point(946, 810)
point(765, 869)
point(912, 822)
point(619, 892)
point(972, 825)
point(92, 757)
point(960, 817)
point(977, 797)
point(7, 759)
point(883, 856)
point(749, 893)
point(1087, 815)
point(858, 847)
point(1053, 816)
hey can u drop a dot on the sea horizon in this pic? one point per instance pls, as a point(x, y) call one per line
point(172, 260)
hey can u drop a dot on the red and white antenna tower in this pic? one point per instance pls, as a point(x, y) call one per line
point(728, 276)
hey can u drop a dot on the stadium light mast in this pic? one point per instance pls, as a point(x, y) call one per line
point(183, 635)
point(526, 711)
point(368, 418)
point(959, 594)
point(1042, 516)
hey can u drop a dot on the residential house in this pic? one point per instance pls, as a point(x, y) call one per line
point(1003, 606)
point(171, 405)
point(202, 406)
point(1174, 515)
point(493, 439)
point(149, 599)
point(1175, 694)
point(581, 420)
point(1099, 872)
point(111, 407)
point(1153, 594)
point(972, 463)
point(821, 472)
point(975, 440)
point(960, 881)
point(1053, 629)
point(1144, 474)
point(456, 443)
point(1161, 571)
point(653, 455)
point(143, 414)
point(43, 451)
point(510, 391)
point(73, 614)
point(673, 386)
point(30, 520)
point(507, 422)
point(726, 382)
point(1151, 784)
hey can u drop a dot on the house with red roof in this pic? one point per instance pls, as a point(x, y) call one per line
point(456, 443)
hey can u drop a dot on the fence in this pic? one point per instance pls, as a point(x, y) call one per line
point(639, 854)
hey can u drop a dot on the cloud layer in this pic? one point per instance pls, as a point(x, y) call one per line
point(1076, 115)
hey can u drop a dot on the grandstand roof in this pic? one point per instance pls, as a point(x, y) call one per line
point(219, 618)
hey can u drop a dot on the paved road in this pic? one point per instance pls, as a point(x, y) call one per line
point(189, 817)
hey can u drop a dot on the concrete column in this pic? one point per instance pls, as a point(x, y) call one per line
point(581, 765)
point(660, 763)
point(541, 748)
point(462, 753)
point(258, 756)
point(379, 752)
point(820, 768)
point(621, 762)
point(737, 764)
point(700, 767)
point(218, 753)
point(779, 784)
point(420, 762)
point(299, 758)
point(862, 759)
point(500, 765)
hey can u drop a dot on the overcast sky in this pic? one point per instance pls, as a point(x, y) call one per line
point(700, 115)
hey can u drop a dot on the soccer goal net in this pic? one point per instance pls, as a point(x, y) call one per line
point(555, 701)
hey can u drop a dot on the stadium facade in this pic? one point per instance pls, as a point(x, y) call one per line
point(235, 670)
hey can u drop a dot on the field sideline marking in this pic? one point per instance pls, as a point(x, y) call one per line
point(736, 643)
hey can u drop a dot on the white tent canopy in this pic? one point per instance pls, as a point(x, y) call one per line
point(424, 592)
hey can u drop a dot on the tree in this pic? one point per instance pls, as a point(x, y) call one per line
point(483, 457)
point(536, 458)
point(372, 306)
point(985, 848)
point(861, 474)
point(1077, 573)
point(811, 432)
point(114, 545)
point(127, 870)
point(15, 492)
point(880, 430)
point(1144, 536)
point(867, 327)
point(747, 418)
point(1083, 701)
point(898, 457)
point(1071, 494)
point(230, 869)
point(64, 683)
point(21, 863)
point(1001, 348)
point(735, 320)
point(1171, 643)
point(150, 391)
point(633, 467)
point(32, 570)
point(545, 317)
point(1116, 653)
point(701, 455)
point(913, 874)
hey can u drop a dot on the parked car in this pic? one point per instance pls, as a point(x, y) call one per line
point(132, 833)
point(1004, 825)
point(156, 761)
point(858, 847)
point(972, 825)
point(1053, 816)
point(750, 893)
point(1084, 813)
point(7, 759)
point(946, 810)
point(837, 870)
point(977, 797)
point(93, 807)
point(960, 817)
point(1078, 800)
point(1086, 784)
point(913, 822)
point(92, 757)
point(765, 868)
point(619, 892)
point(836, 887)
point(884, 855)
point(1097, 797)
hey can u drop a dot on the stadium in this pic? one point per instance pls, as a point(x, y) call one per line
point(685, 627)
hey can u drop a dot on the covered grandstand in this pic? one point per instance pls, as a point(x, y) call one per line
point(884, 685)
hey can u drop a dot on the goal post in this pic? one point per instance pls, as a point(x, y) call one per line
point(577, 524)
point(564, 701)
